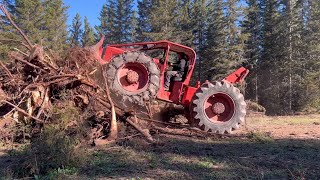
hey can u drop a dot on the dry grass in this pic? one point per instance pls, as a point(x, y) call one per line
point(284, 120)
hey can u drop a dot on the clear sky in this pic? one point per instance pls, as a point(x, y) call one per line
point(89, 8)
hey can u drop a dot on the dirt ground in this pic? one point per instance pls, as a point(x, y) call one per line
point(279, 127)
point(277, 148)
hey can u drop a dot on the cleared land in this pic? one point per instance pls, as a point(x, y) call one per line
point(276, 148)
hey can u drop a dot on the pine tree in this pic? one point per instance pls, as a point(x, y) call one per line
point(144, 18)
point(55, 27)
point(269, 75)
point(106, 23)
point(76, 31)
point(29, 17)
point(6, 35)
point(88, 34)
point(162, 20)
point(184, 23)
point(235, 40)
point(122, 20)
point(200, 13)
point(134, 26)
point(216, 62)
point(312, 64)
point(251, 28)
point(116, 21)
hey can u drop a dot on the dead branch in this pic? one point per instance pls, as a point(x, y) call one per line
point(4, 10)
point(26, 62)
point(165, 123)
point(23, 112)
point(114, 126)
point(144, 132)
point(6, 69)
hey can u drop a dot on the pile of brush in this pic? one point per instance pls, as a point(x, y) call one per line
point(36, 83)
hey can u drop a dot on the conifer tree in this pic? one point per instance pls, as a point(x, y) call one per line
point(251, 28)
point(29, 17)
point(134, 27)
point(144, 18)
point(162, 20)
point(312, 63)
point(76, 31)
point(216, 62)
point(88, 34)
point(122, 20)
point(269, 75)
point(55, 24)
point(200, 13)
point(235, 40)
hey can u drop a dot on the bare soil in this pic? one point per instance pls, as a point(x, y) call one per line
point(279, 127)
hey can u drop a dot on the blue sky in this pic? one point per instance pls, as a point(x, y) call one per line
point(91, 9)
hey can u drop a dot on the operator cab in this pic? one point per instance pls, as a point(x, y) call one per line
point(162, 53)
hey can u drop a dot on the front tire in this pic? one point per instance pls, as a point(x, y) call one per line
point(218, 107)
point(133, 78)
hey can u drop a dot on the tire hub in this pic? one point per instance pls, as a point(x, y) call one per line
point(219, 108)
point(133, 77)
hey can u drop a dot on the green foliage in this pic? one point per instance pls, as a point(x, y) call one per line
point(54, 150)
point(255, 107)
point(55, 28)
point(117, 21)
point(76, 31)
point(88, 34)
point(262, 137)
point(43, 21)
point(144, 26)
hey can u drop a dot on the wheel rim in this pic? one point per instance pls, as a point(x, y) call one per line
point(133, 77)
point(219, 108)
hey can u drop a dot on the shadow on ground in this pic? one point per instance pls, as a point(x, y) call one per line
point(209, 159)
point(185, 158)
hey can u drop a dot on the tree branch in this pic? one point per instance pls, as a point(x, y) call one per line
point(4, 10)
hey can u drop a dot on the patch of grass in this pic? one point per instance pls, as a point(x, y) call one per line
point(257, 158)
point(260, 136)
point(53, 152)
point(284, 120)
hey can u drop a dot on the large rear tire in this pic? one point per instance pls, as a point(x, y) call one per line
point(133, 78)
point(218, 107)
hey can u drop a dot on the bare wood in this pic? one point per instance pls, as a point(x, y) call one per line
point(23, 111)
point(114, 126)
point(4, 10)
point(144, 132)
point(161, 122)
point(6, 69)
point(43, 103)
point(63, 75)
point(26, 62)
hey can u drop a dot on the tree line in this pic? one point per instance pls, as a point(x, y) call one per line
point(278, 39)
